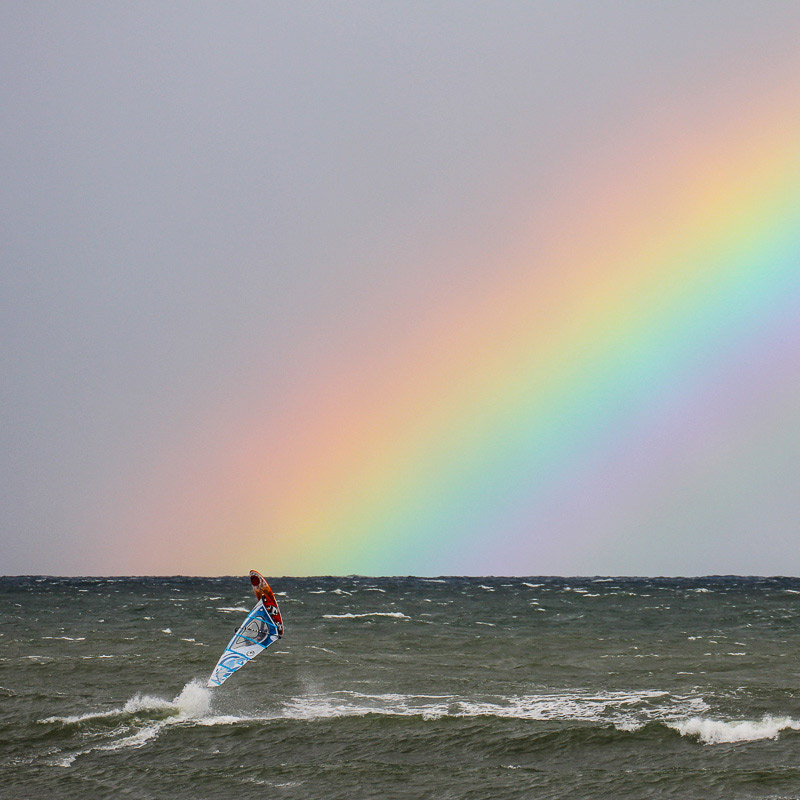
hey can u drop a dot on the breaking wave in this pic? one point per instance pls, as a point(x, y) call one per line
point(138, 721)
point(395, 614)
point(715, 731)
point(143, 717)
point(193, 701)
point(624, 710)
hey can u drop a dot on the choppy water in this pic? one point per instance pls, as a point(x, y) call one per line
point(403, 688)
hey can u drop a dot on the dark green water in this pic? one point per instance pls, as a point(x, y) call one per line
point(403, 688)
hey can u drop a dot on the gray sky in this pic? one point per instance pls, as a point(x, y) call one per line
point(203, 204)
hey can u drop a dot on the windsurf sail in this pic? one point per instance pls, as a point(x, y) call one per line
point(262, 626)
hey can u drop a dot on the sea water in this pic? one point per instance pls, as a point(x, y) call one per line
point(403, 688)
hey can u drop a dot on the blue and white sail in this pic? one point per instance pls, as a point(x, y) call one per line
point(256, 634)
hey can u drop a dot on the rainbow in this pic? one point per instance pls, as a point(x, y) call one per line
point(555, 408)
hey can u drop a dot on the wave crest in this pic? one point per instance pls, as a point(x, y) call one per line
point(714, 731)
point(139, 720)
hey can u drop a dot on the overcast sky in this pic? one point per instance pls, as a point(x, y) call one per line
point(205, 203)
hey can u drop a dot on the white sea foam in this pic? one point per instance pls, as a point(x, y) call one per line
point(67, 638)
point(629, 725)
point(232, 609)
point(144, 716)
point(226, 719)
point(138, 739)
point(714, 731)
point(194, 700)
point(81, 717)
point(625, 710)
point(191, 706)
point(396, 614)
point(146, 702)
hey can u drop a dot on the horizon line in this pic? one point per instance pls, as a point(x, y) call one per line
point(708, 576)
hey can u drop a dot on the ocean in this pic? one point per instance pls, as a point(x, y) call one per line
point(484, 688)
